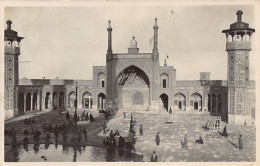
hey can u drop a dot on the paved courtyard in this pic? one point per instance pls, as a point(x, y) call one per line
point(215, 147)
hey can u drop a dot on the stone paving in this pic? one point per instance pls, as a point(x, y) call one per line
point(215, 147)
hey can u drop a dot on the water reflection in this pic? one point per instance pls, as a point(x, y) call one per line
point(52, 153)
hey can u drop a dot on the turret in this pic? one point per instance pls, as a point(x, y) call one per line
point(238, 37)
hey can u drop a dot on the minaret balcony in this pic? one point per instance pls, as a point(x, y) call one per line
point(238, 45)
point(12, 50)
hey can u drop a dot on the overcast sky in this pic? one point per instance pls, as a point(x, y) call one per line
point(68, 41)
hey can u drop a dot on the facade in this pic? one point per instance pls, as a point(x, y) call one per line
point(136, 81)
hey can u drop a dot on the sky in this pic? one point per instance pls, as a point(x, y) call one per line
point(66, 42)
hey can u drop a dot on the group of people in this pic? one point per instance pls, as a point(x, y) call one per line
point(29, 121)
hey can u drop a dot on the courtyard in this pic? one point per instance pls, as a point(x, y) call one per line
point(171, 128)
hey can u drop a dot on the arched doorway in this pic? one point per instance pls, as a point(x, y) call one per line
point(101, 101)
point(55, 100)
point(180, 102)
point(71, 99)
point(164, 100)
point(28, 101)
point(133, 89)
point(87, 100)
point(61, 100)
point(47, 100)
point(196, 101)
point(21, 104)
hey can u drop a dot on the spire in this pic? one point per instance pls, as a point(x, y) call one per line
point(109, 30)
point(239, 16)
point(8, 22)
point(165, 60)
point(109, 26)
point(155, 44)
point(155, 25)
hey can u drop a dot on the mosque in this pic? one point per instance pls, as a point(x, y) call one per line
point(136, 81)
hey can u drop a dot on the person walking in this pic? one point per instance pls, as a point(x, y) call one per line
point(184, 142)
point(240, 142)
point(154, 157)
point(157, 139)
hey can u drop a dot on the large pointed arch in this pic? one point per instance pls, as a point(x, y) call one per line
point(130, 71)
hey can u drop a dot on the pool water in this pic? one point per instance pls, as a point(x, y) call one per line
point(60, 153)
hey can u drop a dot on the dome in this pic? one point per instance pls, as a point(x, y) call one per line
point(133, 43)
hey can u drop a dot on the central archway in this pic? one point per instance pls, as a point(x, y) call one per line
point(133, 90)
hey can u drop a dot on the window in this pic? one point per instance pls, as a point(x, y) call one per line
point(103, 84)
point(164, 83)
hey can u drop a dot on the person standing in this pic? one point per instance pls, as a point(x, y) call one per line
point(154, 157)
point(224, 133)
point(141, 129)
point(170, 110)
point(86, 116)
point(240, 142)
point(86, 134)
point(67, 116)
point(157, 139)
point(13, 136)
point(184, 142)
point(104, 128)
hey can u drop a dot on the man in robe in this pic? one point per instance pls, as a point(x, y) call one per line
point(224, 133)
point(184, 142)
point(240, 142)
point(154, 157)
point(157, 139)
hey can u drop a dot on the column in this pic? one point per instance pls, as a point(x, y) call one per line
point(38, 102)
point(50, 101)
point(100, 103)
point(104, 103)
point(24, 103)
point(211, 104)
point(58, 100)
point(31, 101)
point(89, 102)
point(216, 104)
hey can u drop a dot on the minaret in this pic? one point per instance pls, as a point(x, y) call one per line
point(109, 30)
point(155, 44)
point(238, 45)
point(12, 51)
point(155, 72)
point(109, 71)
